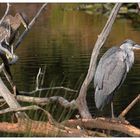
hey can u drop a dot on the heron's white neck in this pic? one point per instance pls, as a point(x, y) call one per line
point(129, 55)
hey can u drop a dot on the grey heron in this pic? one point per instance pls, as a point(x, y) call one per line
point(111, 72)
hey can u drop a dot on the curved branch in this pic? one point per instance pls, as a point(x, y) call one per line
point(82, 105)
point(45, 101)
point(5, 14)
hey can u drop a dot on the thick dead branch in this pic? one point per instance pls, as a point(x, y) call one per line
point(10, 100)
point(51, 120)
point(46, 101)
point(5, 14)
point(102, 123)
point(125, 111)
point(81, 100)
point(44, 129)
point(29, 26)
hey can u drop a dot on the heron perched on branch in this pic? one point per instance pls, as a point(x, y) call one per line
point(111, 72)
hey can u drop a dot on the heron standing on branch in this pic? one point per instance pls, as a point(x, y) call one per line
point(111, 72)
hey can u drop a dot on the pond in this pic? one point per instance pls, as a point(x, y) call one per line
point(62, 40)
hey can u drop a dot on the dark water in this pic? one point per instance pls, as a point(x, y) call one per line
point(63, 41)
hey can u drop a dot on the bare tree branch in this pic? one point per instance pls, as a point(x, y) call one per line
point(81, 100)
point(125, 111)
point(39, 128)
point(103, 123)
point(29, 26)
point(6, 12)
point(10, 100)
point(44, 89)
point(46, 101)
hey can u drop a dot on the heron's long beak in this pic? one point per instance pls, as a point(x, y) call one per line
point(136, 47)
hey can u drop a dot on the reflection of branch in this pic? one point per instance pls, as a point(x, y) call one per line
point(29, 26)
point(6, 12)
point(125, 111)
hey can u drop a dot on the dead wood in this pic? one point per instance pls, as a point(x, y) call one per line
point(125, 111)
point(107, 124)
point(47, 100)
point(81, 100)
point(29, 26)
point(44, 129)
point(6, 12)
point(10, 100)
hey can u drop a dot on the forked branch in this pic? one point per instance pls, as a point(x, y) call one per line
point(81, 100)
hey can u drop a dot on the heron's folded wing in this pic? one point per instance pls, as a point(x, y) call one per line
point(110, 72)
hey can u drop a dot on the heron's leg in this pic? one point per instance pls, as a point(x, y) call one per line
point(112, 110)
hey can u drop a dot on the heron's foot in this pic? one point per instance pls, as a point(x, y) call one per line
point(119, 120)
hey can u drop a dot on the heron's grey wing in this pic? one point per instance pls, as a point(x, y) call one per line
point(110, 73)
point(99, 74)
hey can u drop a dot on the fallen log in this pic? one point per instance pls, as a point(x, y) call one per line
point(39, 128)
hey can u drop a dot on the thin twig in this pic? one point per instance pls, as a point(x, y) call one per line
point(37, 79)
point(125, 111)
point(42, 79)
point(29, 26)
point(49, 88)
point(6, 12)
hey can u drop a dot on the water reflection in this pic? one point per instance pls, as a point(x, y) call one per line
point(63, 41)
